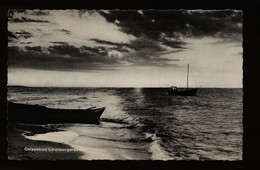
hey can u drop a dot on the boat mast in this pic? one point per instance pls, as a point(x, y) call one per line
point(188, 77)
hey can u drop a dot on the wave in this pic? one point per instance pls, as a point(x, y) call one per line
point(123, 118)
point(158, 153)
point(120, 121)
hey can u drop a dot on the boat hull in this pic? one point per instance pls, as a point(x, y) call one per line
point(36, 114)
point(189, 92)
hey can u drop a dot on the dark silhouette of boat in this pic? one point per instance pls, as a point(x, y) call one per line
point(177, 92)
point(183, 92)
point(36, 114)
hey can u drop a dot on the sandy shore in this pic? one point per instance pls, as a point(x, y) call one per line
point(21, 148)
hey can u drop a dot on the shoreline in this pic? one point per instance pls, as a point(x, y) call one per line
point(21, 148)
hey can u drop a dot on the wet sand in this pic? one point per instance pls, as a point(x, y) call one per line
point(21, 148)
point(95, 143)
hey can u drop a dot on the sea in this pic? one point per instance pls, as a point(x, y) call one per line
point(145, 123)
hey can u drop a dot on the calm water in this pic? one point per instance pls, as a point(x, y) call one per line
point(146, 123)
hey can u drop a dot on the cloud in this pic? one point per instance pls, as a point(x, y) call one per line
point(146, 43)
point(141, 51)
point(88, 24)
point(114, 54)
point(96, 50)
point(58, 42)
point(26, 43)
point(37, 48)
point(122, 47)
point(11, 36)
point(63, 49)
point(41, 12)
point(137, 44)
point(174, 44)
point(62, 57)
point(69, 57)
point(65, 31)
point(24, 19)
point(107, 42)
point(146, 57)
point(82, 53)
point(23, 34)
point(174, 23)
point(96, 39)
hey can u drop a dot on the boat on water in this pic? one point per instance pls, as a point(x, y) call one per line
point(177, 92)
point(36, 114)
point(183, 92)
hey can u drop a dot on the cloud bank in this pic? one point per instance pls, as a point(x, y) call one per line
point(97, 40)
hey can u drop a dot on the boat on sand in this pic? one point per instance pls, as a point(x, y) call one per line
point(36, 114)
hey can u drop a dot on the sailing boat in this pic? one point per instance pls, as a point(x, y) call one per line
point(188, 92)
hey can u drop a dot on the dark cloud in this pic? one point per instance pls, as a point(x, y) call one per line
point(107, 42)
point(11, 16)
point(65, 31)
point(116, 46)
point(23, 34)
point(173, 43)
point(24, 19)
point(152, 24)
point(11, 12)
point(174, 23)
point(96, 50)
point(36, 48)
point(64, 49)
point(59, 42)
point(141, 51)
point(11, 35)
point(146, 43)
point(41, 12)
point(120, 48)
point(69, 57)
point(61, 57)
point(145, 51)
point(137, 44)
point(131, 22)
point(26, 43)
point(210, 23)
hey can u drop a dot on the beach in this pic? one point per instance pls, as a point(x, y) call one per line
point(21, 148)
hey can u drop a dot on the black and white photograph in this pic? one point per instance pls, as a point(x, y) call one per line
point(125, 84)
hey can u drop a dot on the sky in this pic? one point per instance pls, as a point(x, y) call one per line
point(125, 48)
